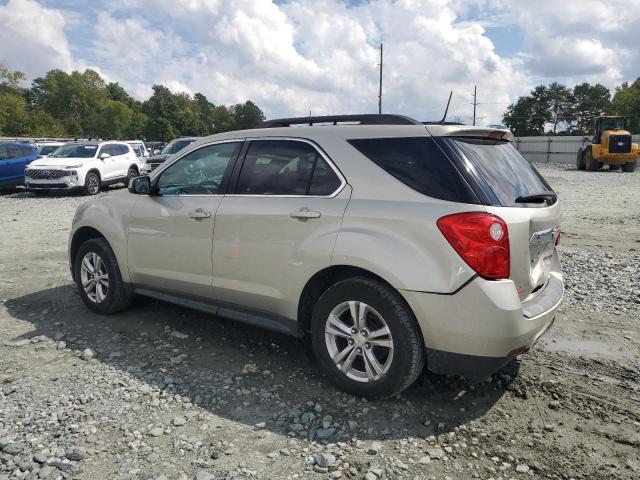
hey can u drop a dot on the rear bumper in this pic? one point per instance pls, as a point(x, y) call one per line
point(482, 327)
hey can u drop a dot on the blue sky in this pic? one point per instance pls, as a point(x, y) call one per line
point(294, 56)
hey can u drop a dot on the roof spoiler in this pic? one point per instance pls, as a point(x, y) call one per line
point(480, 132)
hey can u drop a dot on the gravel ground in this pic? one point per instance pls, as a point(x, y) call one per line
point(164, 392)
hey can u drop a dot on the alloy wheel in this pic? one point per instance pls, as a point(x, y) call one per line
point(359, 341)
point(93, 184)
point(94, 277)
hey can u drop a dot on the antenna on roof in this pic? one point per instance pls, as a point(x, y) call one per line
point(446, 110)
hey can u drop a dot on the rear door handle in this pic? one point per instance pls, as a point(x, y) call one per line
point(304, 214)
point(199, 214)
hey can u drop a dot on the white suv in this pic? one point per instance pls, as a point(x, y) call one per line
point(85, 165)
point(390, 242)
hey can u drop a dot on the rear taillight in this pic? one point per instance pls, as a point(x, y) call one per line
point(481, 239)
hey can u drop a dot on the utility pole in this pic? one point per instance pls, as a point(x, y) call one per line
point(380, 89)
point(475, 103)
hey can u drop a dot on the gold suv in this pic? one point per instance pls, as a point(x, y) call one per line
point(393, 243)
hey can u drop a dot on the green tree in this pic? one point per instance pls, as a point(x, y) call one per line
point(587, 101)
point(247, 115)
point(13, 115)
point(626, 101)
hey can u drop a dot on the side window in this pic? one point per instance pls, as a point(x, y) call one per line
point(418, 163)
point(105, 149)
point(199, 172)
point(285, 167)
point(4, 153)
point(14, 151)
point(122, 149)
point(324, 181)
point(26, 151)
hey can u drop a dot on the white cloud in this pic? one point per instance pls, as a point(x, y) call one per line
point(580, 40)
point(32, 38)
point(322, 55)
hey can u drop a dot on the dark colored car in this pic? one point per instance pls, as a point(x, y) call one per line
point(14, 157)
point(174, 146)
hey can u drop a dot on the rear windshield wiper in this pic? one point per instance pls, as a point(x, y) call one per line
point(548, 196)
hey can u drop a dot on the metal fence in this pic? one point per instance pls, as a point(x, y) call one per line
point(552, 149)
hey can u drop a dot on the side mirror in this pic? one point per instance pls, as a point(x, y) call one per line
point(140, 185)
point(104, 156)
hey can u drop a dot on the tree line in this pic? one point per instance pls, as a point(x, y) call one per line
point(558, 110)
point(83, 104)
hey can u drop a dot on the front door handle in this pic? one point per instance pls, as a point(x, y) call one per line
point(199, 214)
point(304, 214)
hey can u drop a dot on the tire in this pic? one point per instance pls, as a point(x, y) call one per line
point(630, 166)
point(117, 295)
point(397, 367)
point(591, 163)
point(91, 184)
point(131, 173)
point(580, 163)
point(614, 167)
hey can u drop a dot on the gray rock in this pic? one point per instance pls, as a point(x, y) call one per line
point(374, 448)
point(554, 405)
point(155, 431)
point(179, 421)
point(435, 453)
point(323, 433)
point(202, 475)
point(87, 354)
point(40, 457)
point(319, 469)
point(522, 468)
point(75, 455)
point(13, 448)
point(425, 460)
point(325, 459)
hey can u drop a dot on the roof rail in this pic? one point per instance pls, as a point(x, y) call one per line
point(365, 119)
point(441, 122)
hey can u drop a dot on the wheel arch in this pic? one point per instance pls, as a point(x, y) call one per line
point(327, 277)
point(80, 236)
point(94, 170)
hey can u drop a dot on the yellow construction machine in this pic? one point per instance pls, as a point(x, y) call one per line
point(611, 145)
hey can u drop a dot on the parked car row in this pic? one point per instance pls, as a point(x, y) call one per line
point(84, 165)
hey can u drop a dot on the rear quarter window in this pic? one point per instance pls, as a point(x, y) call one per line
point(419, 163)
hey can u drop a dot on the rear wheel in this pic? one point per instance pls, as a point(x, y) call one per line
point(91, 184)
point(366, 338)
point(580, 164)
point(591, 163)
point(630, 167)
point(98, 278)
point(614, 167)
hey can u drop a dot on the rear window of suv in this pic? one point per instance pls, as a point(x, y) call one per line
point(419, 163)
point(504, 173)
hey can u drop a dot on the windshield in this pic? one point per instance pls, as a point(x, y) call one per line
point(47, 149)
point(175, 147)
point(75, 151)
point(612, 124)
point(506, 173)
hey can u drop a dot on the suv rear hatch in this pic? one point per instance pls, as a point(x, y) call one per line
point(514, 190)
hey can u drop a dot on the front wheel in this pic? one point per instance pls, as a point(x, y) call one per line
point(131, 173)
point(591, 163)
point(629, 167)
point(366, 338)
point(91, 184)
point(98, 278)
